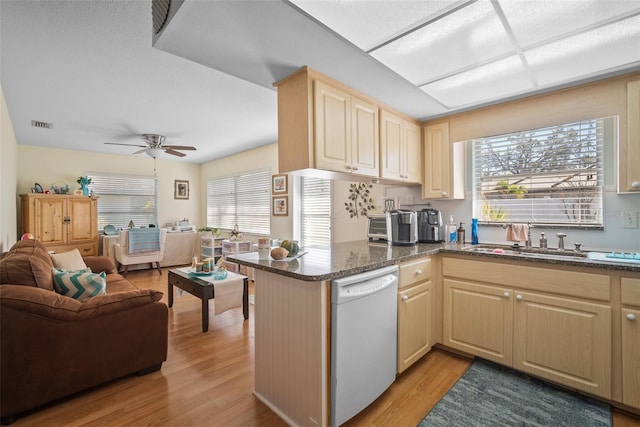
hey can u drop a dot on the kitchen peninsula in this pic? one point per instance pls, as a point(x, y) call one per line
point(293, 316)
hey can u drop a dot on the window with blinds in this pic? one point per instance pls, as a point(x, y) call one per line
point(551, 176)
point(315, 209)
point(125, 198)
point(243, 200)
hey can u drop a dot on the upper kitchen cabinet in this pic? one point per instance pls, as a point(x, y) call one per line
point(443, 164)
point(629, 178)
point(400, 149)
point(325, 125)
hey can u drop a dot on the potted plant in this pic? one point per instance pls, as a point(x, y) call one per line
point(84, 181)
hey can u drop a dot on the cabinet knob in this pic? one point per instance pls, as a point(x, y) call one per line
point(418, 272)
point(348, 167)
point(405, 297)
point(506, 294)
point(355, 168)
point(444, 193)
point(635, 185)
point(519, 297)
point(631, 316)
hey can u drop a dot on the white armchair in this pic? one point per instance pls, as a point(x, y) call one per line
point(126, 258)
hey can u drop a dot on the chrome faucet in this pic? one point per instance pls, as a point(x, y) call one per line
point(527, 244)
point(561, 237)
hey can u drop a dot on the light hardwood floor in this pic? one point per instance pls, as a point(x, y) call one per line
point(208, 381)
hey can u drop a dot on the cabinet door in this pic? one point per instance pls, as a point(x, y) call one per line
point(631, 357)
point(629, 179)
point(332, 128)
point(478, 320)
point(437, 162)
point(412, 169)
point(365, 141)
point(562, 340)
point(50, 213)
point(390, 145)
point(82, 220)
point(415, 323)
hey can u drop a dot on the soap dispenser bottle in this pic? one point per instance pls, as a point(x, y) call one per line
point(543, 240)
point(452, 231)
point(461, 234)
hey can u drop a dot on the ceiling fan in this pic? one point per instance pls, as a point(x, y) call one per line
point(155, 146)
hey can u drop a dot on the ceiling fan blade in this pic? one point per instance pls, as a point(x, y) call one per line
point(129, 145)
point(140, 151)
point(179, 147)
point(175, 153)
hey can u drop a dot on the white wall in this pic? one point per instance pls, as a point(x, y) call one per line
point(47, 166)
point(8, 171)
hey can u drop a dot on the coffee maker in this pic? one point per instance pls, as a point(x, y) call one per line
point(402, 227)
point(430, 229)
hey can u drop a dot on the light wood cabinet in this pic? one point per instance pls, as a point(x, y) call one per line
point(327, 126)
point(62, 222)
point(630, 324)
point(416, 312)
point(443, 164)
point(400, 149)
point(346, 131)
point(565, 340)
point(478, 320)
point(629, 170)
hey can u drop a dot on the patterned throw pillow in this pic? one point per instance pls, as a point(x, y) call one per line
point(79, 284)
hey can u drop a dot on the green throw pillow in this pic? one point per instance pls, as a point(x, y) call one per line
point(79, 284)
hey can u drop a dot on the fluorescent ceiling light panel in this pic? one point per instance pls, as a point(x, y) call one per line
point(498, 79)
point(534, 21)
point(583, 54)
point(470, 36)
point(367, 23)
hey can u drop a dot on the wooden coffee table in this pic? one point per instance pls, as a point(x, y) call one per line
point(205, 291)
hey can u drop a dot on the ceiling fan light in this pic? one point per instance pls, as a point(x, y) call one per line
point(154, 152)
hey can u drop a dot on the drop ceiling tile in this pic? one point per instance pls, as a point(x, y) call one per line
point(595, 51)
point(499, 79)
point(369, 23)
point(467, 37)
point(534, 21)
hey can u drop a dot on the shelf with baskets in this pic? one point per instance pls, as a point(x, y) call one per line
point(211, 247)
point(232, 247)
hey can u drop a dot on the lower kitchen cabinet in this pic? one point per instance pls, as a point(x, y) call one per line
point(564, 340)
point(630, 341)
point(416, 312)
point(477, 320)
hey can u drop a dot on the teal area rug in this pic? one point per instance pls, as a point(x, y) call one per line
point(492, 395)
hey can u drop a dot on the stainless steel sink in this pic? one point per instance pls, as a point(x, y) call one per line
point(526, 252)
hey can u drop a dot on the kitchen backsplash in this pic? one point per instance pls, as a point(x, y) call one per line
point(613, 237)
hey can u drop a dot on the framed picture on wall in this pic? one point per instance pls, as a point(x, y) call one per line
point(280, 206)
point(181, 189)
point(279, 184)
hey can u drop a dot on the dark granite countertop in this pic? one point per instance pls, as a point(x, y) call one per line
point(349, 258)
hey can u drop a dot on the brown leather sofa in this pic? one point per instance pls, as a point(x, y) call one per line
point(52, 346)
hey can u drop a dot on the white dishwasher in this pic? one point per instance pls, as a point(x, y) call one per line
point(363, 340)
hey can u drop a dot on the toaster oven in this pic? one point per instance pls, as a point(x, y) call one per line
point(377, 227)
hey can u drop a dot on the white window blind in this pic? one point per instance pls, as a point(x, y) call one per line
point(124, 198)
point(550, 176)
point(243, 200)
point(315, 211)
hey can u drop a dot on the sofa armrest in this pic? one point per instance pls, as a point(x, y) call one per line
point(98, 264)
point(51, 305)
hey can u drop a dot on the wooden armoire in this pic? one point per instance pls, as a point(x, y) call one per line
point(62, 222)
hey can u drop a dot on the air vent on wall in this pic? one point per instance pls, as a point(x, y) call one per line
point(39, 124)
point(160, 11)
